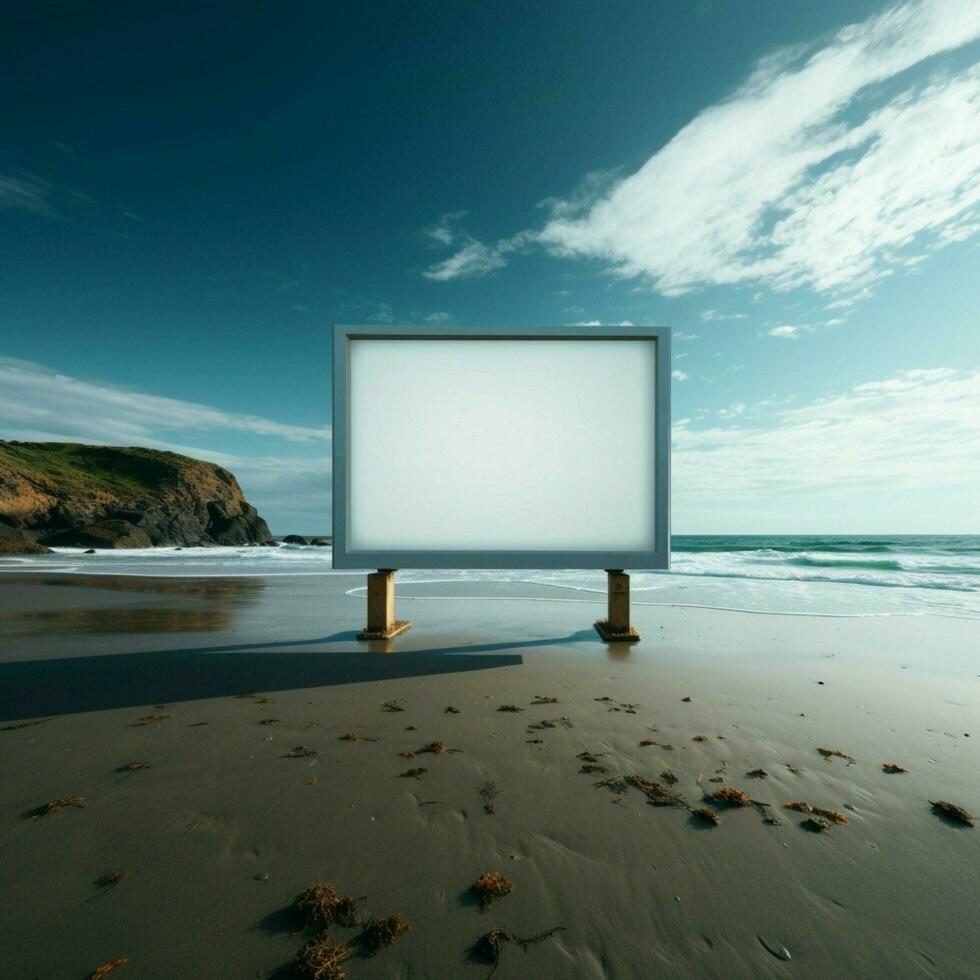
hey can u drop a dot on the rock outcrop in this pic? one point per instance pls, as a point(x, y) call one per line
point(108, 497)
point(16, 542)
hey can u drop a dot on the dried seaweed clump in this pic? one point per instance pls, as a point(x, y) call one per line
point(354, 737)
point(392, 706)
point(132, 767)
point(509, 707)
point(816, 824)
point(730, 796)
point(55, 805)
point(706, 814)
point(300, 752)
point(320, 959)
point(647, 742)
point(436, 748)
point(757, 773)
point(893, 767)
point(831, 754)
point(417, 772)
point(489, 946)
point(657, 794)
point(490, 886)
point(541, 699)
point(669, 777)
point(107, 968)
point(954, 812)
point(799, 806)
point(383, 932)
point(320, 905)
point(111, 878)
point(700, 738)
point(827, 815)
point(834, 816)
point(151, 719)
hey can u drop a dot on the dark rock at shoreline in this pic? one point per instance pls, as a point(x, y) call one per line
point(320, 542)
point(295, 539)
point(51, 490)
point(104, 534)
point(14, 541)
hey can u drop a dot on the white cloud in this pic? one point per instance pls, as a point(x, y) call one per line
point(680, 335)
point(438, 318)
point(679, 375)
point(813, 173)
point(786, 331)
point(472, 260)
point(713, 315)
point(899, 450)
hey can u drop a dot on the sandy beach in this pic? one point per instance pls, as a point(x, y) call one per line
point(235, 696)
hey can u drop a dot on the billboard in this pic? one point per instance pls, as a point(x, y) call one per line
point(500, 447)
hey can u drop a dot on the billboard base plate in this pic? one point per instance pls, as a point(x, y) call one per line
point(610, 635)
point(399, 626)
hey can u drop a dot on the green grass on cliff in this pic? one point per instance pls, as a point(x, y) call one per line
point(78, 467)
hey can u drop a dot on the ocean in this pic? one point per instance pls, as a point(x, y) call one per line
point(832, 575)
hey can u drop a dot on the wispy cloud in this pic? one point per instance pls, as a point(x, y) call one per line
point(715, 315)
point(786, 331)
point(678, 375)
point(813, 173)
point(26, 193)
point(913, 433)
point(38, 403)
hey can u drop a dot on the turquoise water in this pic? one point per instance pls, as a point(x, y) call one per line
point(811, 574)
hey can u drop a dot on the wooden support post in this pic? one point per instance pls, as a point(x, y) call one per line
point(381, 622)
point(616, 627)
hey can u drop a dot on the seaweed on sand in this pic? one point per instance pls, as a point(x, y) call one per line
point(320, 959)
point(757, 773)
point(668, 777)
point(700, 738)
point(354, 737)
point(816, 824)
point(730, 796)
point(541, 699)
point(646, 742)
point(320, 905)
point(151, 719)
point(489, 946)
point(509, 707)
point(55, 805)
point(954, 812)
point(393, 705)
point(799, 805)
point(490, 886)
point(132, 767)
point(110, 879)
point(588, 768)
point(382, 932)
point(834, 816)
point(107, 968)
point(706, 814)
point(657, 794)
point(488, 794)
point(893, 767)
point(300, 752)
point(831, 754)
point(25, 724)
point(416, 772)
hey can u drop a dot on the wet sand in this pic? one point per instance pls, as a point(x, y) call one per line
point(222, 829)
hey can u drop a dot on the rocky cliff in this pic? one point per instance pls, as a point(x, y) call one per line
point(106, 497)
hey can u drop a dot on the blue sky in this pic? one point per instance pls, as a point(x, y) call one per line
point(189, 199)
